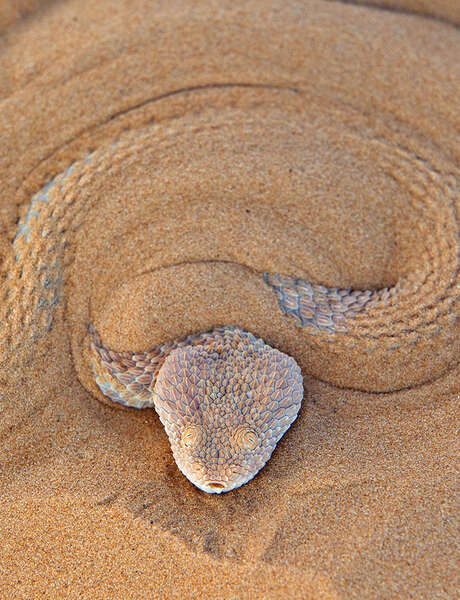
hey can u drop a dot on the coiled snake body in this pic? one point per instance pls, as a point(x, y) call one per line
point(224, 396)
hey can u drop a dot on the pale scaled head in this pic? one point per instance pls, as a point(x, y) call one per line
point(224, 406)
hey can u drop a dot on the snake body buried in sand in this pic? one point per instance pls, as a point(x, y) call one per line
point(224, 396)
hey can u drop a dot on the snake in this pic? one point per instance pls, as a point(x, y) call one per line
point(224, 396)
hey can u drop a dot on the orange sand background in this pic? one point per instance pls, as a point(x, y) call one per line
point(229, 138)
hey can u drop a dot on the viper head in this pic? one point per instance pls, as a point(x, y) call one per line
point(224, 405)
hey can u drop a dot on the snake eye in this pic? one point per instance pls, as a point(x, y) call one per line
point(191, 436)
point(246, 438)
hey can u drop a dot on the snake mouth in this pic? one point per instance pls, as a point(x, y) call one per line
point(215, 485)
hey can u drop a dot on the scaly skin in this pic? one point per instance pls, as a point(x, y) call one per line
point(422, 305)
point(224, 397)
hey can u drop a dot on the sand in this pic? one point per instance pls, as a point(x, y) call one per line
point(211, 141)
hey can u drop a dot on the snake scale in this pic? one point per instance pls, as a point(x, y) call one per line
point(224, 396)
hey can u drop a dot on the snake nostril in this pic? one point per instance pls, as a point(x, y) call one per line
point(215, 485)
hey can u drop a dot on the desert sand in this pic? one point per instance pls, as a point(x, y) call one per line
point(207, 142)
